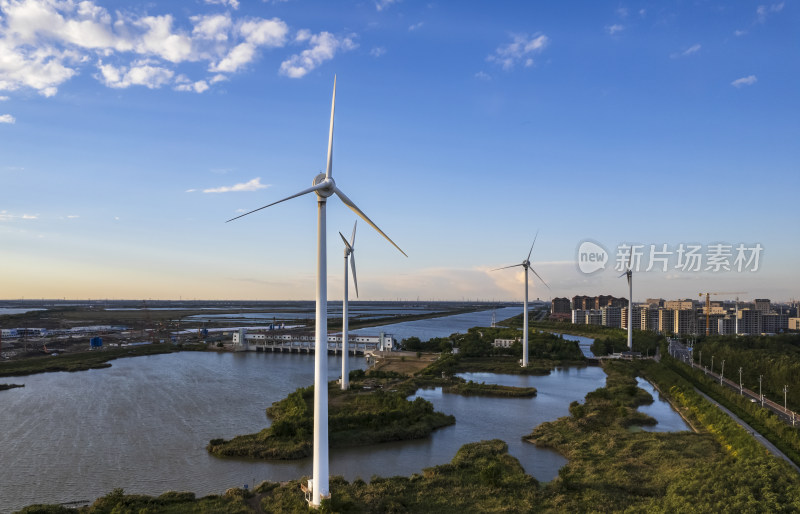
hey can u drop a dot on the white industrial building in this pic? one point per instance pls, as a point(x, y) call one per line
point(261, 341)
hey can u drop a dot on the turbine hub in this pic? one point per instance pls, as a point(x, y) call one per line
point(326, 191)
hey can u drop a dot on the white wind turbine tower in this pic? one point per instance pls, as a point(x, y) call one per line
point(349, 253)
point(526, 264)
point(629, 274)
point(323, 186)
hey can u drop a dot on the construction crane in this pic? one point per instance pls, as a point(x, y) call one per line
point(708, 308)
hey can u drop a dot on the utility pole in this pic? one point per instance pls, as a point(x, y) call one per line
point(701, 358)
point(740, 381)
point(712, 364)
point(760, 396)
point(721, 373)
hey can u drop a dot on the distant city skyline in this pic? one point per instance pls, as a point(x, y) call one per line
point(129, 132)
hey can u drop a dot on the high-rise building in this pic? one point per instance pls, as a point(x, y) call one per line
point(684, 321)
point(666, 321)
point(762, 305)
point(611, 316)
point(649, 319)
point(748, 321)
point(560, 306)
point(679, 305)
point(637, 318)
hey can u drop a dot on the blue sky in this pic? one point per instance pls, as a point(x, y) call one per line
point(129, 132)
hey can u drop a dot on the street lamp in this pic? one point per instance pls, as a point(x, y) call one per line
point(721, 373)
point(740, 381)
point(712, 364)
point(785, 388)
point(760, 396)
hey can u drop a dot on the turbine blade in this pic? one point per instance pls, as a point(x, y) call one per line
point(346, 244)
point(301, 193)
point(353, 237)
point(534, 242)
point(622, 274)
point(330, 134)
point(506, 267)
point(363, 216)
point(353, 268)
point(540, 278)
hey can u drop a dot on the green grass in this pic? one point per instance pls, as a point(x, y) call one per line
point(356, 417)
point(480, 389)
point(79, 361)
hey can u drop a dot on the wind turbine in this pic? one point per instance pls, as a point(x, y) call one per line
point(526, 264)
point(629, 274)
point(349, 253)
point(323, 186)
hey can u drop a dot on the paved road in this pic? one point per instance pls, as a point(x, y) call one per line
point(760, 438)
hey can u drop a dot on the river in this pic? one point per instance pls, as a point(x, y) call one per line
point(143, 423)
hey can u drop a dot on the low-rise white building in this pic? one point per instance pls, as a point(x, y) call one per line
point(504, 343)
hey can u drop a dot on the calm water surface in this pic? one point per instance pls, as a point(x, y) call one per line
point(661, 410)
point(143, 423)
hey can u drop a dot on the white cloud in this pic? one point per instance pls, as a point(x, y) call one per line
point(416, 26)
point(191, 190)
point(7, 118)
point(72, 216)
point(739, 33)
point(3, 98)
point(141, 73)
point(689, 51)
point(6, 216)
point(213, 27)
point(270, 33)
point(613, 29)
point(44, 43)
point(692, 49)
point(383, 4)
point(622, 12)
point(483, 76)
point(521, 49)
point(182, 83)
point(253, 185)
point(377, 51)
point(323, 48)
point(764, 10)
point(234, 4)
point(745, 81)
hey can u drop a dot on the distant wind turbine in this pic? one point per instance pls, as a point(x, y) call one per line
point(349, 253)
point(629, 274)
point(323, 186)
point(526, 264)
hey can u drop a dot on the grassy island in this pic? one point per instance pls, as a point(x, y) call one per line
point(374, 410)
point(4, 387)
point(475, 389)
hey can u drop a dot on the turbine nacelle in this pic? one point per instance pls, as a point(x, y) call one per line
point(325, 184)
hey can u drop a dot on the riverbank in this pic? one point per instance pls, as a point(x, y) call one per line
point(83, 360)
point(4, 387)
